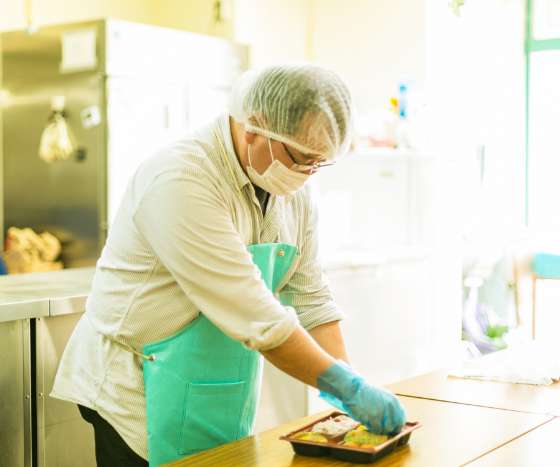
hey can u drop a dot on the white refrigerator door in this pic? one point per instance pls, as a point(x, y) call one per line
point(400, 321)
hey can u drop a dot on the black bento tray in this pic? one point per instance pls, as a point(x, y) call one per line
point(348, 453)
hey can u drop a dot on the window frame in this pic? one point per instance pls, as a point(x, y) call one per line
point(532, 45)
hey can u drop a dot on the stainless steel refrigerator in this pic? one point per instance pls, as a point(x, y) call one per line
point(129, 89)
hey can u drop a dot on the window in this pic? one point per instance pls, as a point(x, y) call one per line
point(543, 115)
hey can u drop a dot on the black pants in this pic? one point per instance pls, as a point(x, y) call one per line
point(110, 449)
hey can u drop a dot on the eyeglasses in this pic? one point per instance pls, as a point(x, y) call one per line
point(305, 168)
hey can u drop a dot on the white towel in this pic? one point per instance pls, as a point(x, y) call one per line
point(532, 363)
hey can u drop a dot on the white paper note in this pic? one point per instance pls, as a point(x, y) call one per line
point(78, 50)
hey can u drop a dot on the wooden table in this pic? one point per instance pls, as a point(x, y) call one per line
point(534, 449)
point(451, 435)
point(519, 397)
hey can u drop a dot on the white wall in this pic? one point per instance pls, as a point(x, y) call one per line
point(192, 15)
point(372, 43)
point(276, 30)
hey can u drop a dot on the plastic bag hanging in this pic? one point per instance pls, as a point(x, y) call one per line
point(57, 141)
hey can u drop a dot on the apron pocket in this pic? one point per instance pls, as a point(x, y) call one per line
point(211, 415)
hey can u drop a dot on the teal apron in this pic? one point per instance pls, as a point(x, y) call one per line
point(202, 386)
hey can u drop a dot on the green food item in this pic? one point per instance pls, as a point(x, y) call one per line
point(363, 438)
point(310, 436)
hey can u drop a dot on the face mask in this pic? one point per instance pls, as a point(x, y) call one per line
point(277, 179)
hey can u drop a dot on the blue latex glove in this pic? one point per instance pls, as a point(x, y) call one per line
point(379, 410)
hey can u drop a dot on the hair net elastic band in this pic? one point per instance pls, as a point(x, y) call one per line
point(276, 137)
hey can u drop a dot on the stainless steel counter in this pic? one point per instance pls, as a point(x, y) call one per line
point(38, 313)
point(43, 294)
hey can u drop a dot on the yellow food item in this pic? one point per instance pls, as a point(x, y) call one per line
point(360, 437)
point(309, 436)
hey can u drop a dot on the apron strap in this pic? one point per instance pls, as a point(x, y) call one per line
point(131, 349)
point(121, 344)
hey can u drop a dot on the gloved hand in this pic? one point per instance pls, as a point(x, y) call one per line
point(379, 410)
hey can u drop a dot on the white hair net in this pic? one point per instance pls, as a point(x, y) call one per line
point(306, 107)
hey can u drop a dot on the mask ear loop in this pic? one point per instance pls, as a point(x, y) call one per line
point(270, 149)
point(249, 151)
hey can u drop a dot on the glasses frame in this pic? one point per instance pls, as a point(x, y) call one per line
point(305, 168)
